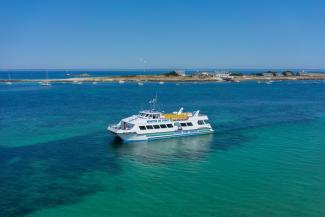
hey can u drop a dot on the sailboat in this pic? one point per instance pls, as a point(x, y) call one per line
point(269, 82)
point(46, 82)
point(9, 80)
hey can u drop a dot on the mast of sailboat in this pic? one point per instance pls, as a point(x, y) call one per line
point(9, 79)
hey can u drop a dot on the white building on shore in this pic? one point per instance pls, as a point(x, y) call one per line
point(222, 74)
point(180, 72)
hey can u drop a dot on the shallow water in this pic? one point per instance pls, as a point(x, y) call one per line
point(266, 157)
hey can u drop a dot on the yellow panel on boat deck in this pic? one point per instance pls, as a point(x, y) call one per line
point(181, 116)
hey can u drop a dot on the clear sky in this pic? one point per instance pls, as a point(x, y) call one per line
point(162, 33)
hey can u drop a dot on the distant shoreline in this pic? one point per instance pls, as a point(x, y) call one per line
point(166, 78)
point(5, 70)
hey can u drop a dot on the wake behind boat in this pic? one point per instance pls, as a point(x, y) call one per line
point(152, 124)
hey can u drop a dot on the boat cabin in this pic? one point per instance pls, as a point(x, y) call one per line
point(150, 114)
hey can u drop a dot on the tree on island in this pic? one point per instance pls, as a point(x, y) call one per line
point(236, 74)
point(259, 74)
point(288, 73)
point(172, 73)
point(271, 72)
point(175, 73)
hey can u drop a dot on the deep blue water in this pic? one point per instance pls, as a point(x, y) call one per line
point(266, 157)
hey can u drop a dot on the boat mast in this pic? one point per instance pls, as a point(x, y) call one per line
point(9, 79)
point(153, 103)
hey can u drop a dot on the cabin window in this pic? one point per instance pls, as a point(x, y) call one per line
point(189, 124)
point(147, 115)
point(126, 126)
point(156, 126)
point(183, 124)
point(169, 125)
point(206, 122)
point(142, 127)
point(149, 127)
point(163, 126)
point(155, 116)
point(200, 122)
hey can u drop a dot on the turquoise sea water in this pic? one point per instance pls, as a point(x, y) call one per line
point(266, 157)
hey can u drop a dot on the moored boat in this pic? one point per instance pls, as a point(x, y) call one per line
point(46, 82)
point(9, 80)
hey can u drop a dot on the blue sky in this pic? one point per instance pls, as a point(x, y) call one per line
point(162, 34)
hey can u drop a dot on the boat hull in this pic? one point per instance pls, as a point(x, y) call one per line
point(133, 137)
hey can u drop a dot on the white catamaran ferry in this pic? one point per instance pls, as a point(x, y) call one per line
point(152, 124)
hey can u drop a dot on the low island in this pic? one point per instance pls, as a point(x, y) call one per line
point(180, 76)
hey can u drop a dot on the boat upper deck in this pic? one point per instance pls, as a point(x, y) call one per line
point(175, 116)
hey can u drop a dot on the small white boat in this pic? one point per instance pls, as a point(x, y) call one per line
point(77, 82)
point(46, 82)
point(121, 81)
point(161, 82)
point(95, 82)
point(152, 124)
point(269, 82)
point(9, 80)
point(140, 83)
